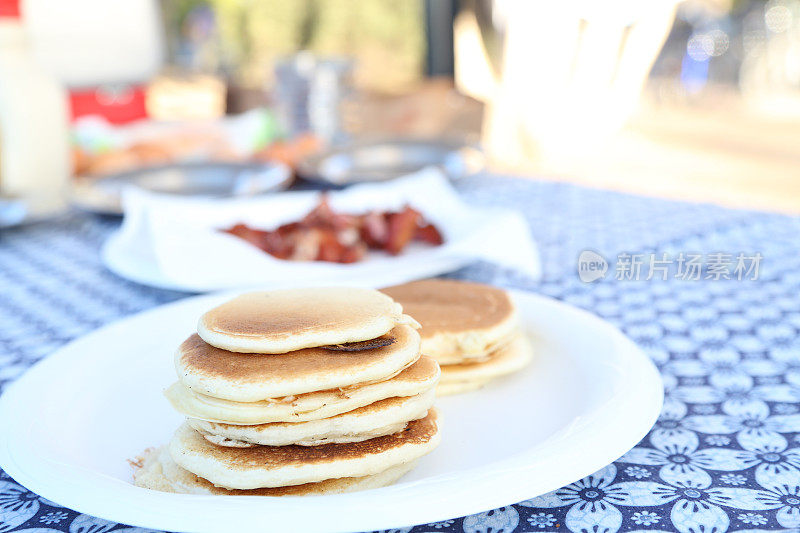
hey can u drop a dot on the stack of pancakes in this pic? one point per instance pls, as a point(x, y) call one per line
point(310, 391)
point(471, 329)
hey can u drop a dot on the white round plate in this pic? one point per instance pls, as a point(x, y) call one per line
point(72, 421)
point(176, 243)
point(137, 263)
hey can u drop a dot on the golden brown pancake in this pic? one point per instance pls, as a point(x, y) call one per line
point(460, 320)
point(446, 305)
point(459, 387)
point(278, 466)
point(277, 322)
point(416, 379)
point(469, 376)
point(248, 378)
point(157, 471)
point(310, 391)
point(383, 417)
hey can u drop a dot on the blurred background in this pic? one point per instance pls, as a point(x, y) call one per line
point(697, 100)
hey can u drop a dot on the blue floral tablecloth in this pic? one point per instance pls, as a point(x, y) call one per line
point(725, 453)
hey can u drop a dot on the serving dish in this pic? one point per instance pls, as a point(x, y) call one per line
point(381, 160)
point(103, 194)
point(73, 420)
point(177, 243)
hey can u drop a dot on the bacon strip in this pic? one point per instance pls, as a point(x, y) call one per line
point(325, 235)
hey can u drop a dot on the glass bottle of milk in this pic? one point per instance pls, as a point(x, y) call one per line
point(34, 138)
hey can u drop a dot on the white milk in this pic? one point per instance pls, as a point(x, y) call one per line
point(34, 147)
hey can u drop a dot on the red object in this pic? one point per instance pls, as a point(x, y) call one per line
point(325, 235)
point(402, 227)
point(429, 234)
point(117, 104)
point(10, 9)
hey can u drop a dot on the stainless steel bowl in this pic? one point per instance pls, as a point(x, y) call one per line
point(389, 159)
point(214, 180)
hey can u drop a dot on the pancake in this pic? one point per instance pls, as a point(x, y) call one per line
point(416, 379)
point(469, 376)
point(279, 466)
point(248, 378)
point(160, 472)
point(381, 418)
point(461, 321)
point(459, 387)
point(277, 322)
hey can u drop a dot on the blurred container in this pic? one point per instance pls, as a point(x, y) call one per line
point(204, 180)
point(89, 43)
point(186, 97)
point(382, 160)
point(309, 95)
point(34, 147)
point(104, 52)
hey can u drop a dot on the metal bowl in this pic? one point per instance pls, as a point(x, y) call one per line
point(103, 194)
point(389, 159)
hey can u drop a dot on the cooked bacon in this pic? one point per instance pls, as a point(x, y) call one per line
point(325, 235)
point(277, 245)
point(402, 227)
point(330, 249)
point(354, 254)
point(323, 216)
point(251, 235)
point(306, 245)
point(375, 229)
point(429, 234)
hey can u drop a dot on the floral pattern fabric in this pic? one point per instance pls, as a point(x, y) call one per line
point(723, 456)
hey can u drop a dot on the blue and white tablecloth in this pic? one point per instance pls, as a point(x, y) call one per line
point(725, 453)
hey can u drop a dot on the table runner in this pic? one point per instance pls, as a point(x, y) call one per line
point(723, 456)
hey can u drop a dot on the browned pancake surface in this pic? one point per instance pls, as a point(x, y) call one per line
point(447, 306)
point(380, 405)
point(320, 487)
point(417, 432)
point(204, 359)
point(282, 314)
point(504, 351)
